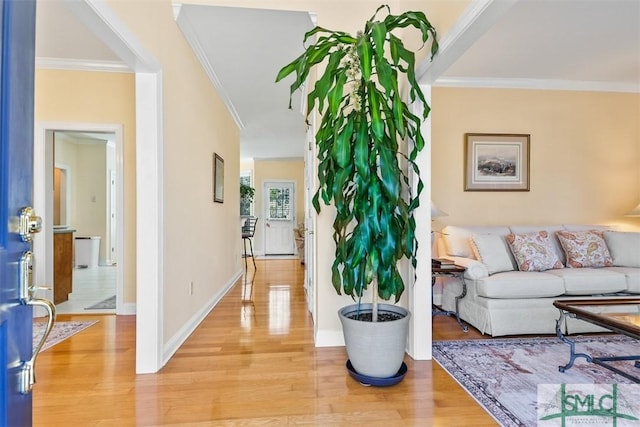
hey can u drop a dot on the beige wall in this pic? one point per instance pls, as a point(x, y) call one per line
point(88, 185)
point(585, 155)
point(91, 194)
point(97, 98)
point(277, 170)
point(199, 245)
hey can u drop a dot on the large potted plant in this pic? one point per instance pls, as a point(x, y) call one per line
point(367, 141)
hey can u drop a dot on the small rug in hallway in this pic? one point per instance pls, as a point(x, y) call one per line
point(109, 303)
point(61, 331)
point(502, 374)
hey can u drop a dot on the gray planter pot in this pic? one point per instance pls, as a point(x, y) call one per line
point(375, 349)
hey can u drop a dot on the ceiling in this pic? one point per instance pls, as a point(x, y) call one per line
point(561, 44)
point(565, 44)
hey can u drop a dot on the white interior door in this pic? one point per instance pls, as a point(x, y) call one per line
point(279, 207)
point(310, 224)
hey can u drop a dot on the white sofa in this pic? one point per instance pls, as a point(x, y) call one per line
point(502, 299)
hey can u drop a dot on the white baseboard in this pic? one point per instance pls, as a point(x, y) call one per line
point(127, 309)
point(326, 338)
point(183, 333)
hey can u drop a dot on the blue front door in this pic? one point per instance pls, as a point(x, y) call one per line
point(16, 176)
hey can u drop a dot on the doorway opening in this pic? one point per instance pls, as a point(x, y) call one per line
point(84, 197)
point(80, 182)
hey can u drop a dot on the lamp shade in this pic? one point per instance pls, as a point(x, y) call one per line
point(633, 212)
point(436, 212)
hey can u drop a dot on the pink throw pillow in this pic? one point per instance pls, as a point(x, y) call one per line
point(585, 248)
point(533, 251)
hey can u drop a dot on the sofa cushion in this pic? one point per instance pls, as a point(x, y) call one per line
point(533, 251)
point(551, 229)
point(457, 238)
point(585, 248)
point(632, 276)
point(492, 250)
point(589, 281)
point(520, 284)
point(624, 248)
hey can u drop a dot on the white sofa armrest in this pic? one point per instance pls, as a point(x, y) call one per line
point(475, 269)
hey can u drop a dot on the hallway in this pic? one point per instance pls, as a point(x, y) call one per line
point(251, 362)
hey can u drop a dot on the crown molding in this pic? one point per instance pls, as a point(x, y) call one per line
point(82, 65)
point(187, 29)
point(539, 84)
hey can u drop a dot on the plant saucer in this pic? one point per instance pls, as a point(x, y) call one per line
point(377, 382)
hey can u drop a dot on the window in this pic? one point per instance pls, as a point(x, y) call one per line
point(246, 205)
point(279, 200)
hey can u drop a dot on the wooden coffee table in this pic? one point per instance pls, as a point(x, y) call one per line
point(621, 315)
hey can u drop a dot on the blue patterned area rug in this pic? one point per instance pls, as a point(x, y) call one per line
point(60, 332)
point(503, 374)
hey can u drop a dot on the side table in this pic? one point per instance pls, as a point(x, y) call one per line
point(458, 273)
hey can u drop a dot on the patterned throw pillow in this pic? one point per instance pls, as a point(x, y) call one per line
point(533, 251)
point(585, 248)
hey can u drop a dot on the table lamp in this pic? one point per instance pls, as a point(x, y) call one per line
point(435, 213)
point(633, 212)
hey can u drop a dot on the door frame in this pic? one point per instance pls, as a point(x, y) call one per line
point(265, 208)
point(43, 199)
point(310, 217)
point(105, 23)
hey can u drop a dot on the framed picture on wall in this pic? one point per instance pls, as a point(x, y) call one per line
point(496, 162)
point(218, 178)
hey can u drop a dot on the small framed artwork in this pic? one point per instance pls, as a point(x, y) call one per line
point(496, 162)
point(218, 178)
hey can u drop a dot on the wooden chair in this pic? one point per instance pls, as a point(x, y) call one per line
point(248, 230)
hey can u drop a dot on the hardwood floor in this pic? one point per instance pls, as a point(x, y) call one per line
point(251, 362)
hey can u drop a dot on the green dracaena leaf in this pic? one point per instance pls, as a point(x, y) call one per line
point(336, 280)
point(286, 70)
point(379, 36)
point(361, 154)
point(374, 196)
point(359, 249)
point(377, 123)
point(323, 84)
point(398, 114)
point(335, 95)
point(384, 6)
point(348, 280)
point(365, 54)
point(389, 174)
point(393, 49)
point(341, 150)
point(386, 77)
point(371, 265)
point(398, 284)
point(315, 202)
